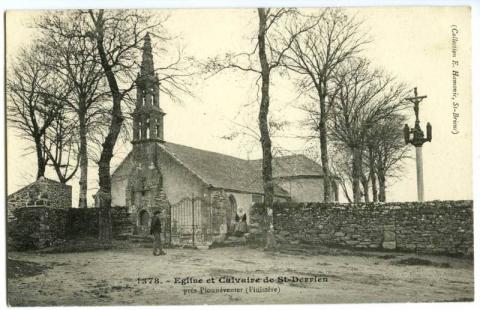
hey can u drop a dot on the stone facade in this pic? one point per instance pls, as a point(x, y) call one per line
point(144, 190)
point(443, 227)
point(41, 193)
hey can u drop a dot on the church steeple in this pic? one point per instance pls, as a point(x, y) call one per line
point(147, 116)
point(147, 67)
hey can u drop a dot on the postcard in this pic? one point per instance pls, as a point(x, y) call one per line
point(239, 156)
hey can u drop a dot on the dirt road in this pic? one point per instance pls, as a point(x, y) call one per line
point(134, 276)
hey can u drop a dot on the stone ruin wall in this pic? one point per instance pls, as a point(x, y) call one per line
point(41, 193)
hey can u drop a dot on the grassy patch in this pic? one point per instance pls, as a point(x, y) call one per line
point(414, 261)
point(20, 269)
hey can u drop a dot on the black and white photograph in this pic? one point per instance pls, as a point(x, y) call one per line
point(238, 156)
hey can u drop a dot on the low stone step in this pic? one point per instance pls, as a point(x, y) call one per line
point(137, 238)
point(230, 241)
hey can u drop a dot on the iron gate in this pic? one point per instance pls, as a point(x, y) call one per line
point(194, 221)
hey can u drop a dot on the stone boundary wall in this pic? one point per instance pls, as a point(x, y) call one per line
point(442, 227)
point(36, 227)
point(41, 193)
point(84, 222)
point(41, 227)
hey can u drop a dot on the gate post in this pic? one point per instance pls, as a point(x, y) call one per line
point(193, 220)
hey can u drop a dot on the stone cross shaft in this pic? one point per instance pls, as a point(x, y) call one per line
point(416, 137)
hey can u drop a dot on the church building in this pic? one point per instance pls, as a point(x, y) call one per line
point(193, 186)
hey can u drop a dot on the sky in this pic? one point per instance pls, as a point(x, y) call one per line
point(414, 44)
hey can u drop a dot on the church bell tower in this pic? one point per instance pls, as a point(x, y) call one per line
point(144, 190)
point(147, 116)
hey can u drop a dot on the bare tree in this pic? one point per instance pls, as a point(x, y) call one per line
point(371, 169)
point(33, 94)
point(61, 146)
point(73, 57)
point(363, 99)
point(388, 151)
point(267, 54)
point(342, 169)
point(118, 36)
point(314, 56)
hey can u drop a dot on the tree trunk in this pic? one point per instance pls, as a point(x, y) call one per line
point(356, 173)
point(373, 176)
point(41, 161)
point(264, 130)
point(381, 183)
point(105, 196)
point(374, 187)
point(323, 146)
point(366, 195)
point(345, 192)
point(335, 190)
point(82, 200)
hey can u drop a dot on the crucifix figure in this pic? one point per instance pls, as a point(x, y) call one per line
point(416, 99)
point(417, 140)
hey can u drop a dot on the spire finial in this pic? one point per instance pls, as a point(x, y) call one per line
point(147, 57)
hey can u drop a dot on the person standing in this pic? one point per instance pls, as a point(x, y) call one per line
point(156, 231)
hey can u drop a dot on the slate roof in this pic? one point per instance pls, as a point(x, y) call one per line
point(293, 166)
point(218, 170)
point(224, 171)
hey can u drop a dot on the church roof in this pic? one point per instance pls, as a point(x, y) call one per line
point(293, 166)
point(228, 172)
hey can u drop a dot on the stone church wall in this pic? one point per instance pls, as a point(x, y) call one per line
point(178, 182)
point(41, 193)
point(303, 189)
point(443, 227)
point(120, 182)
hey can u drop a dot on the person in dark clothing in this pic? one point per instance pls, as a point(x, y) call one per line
point(241, 227)
point(156, 231)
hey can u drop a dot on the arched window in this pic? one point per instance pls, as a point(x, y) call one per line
point(144, 218)
point(147, 129)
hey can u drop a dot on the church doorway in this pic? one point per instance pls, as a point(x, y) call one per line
point(143, 222)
